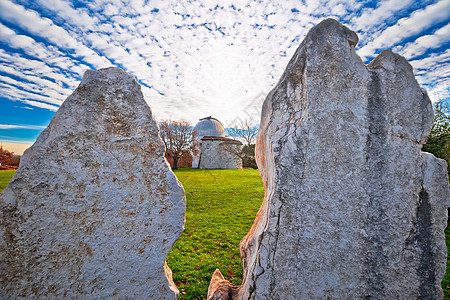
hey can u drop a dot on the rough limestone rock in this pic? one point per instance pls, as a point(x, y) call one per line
point(353, 208)
point(94, 208)
point(220, 288)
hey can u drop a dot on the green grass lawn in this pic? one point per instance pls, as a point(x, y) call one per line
point(221, 206)
point(5, 177)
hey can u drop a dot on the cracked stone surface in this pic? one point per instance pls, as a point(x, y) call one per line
point(352, 205)
point(94, 208)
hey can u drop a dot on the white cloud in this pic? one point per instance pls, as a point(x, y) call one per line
point(375, 17)
point(10, 126)
point(193, 59)
point(427, 42)
point(45, 28)
point(37, 83)
point(36, 67)
point(406, 27)
point(430, 62)
point(64, 9)
point(8, 89)
point(439, 93)
point(41, 105)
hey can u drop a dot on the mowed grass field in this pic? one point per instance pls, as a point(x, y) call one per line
point(5, 177)
point(221, 207)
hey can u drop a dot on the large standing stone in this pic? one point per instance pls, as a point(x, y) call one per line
point(353, 208)
point(94, 208)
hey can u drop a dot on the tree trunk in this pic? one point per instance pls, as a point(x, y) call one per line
point(175, 162)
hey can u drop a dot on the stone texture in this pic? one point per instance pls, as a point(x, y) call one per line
point(353, 208)
point(220, 289)
point(94, 208)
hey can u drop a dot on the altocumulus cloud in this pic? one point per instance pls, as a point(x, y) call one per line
point(200, 58)
point(9, 126)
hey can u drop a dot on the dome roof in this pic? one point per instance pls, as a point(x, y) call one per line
point(209, 127)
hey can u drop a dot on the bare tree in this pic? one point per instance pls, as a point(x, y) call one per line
point(246, 131)
point(177, 136)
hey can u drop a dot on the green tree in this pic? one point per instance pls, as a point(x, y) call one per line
point(438, 142)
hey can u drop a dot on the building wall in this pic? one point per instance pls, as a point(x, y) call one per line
point(195, 160)
point(196, 147)
point(213, 156)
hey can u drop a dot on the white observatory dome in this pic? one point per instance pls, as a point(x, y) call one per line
point(209, 126)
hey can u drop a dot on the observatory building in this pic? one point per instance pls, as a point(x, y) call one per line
point(212, 150)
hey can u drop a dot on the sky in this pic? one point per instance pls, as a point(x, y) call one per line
point(193, 58)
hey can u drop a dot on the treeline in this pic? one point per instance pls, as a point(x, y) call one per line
point(8, 160)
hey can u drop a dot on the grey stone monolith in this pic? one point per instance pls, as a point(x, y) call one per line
point(94, 208)
point(353, 209)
